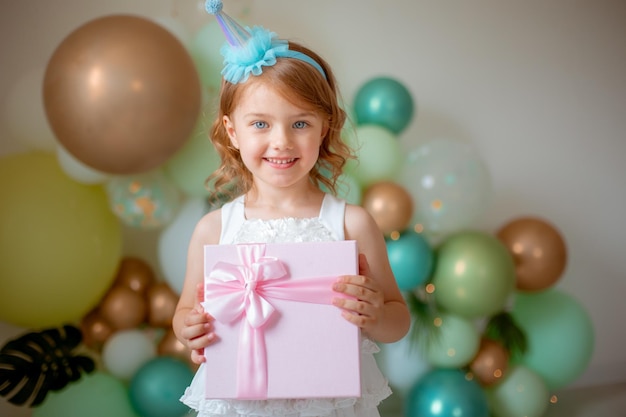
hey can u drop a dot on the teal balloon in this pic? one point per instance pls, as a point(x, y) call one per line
point(446, 393)
point(378, 155)
point(384, 102)
point(157, 386)
point(454, 344)
point(411, 258)
point(96, 395)
point(521, 393)
point(474, 274)
point(559, 333)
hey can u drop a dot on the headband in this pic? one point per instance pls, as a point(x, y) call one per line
point(247, 50)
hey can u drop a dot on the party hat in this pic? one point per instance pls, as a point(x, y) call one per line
point(236, 35)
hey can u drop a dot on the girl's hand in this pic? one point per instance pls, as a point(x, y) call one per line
point(197, 329)
point(365, 307)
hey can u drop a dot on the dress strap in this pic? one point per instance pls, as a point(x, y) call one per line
point(233, 216)
point(332, 215)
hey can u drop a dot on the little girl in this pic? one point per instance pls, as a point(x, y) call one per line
point(278, 135)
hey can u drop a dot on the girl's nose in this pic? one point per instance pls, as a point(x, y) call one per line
point(281, 139)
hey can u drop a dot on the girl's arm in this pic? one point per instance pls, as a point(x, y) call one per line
point(379, 309)
point(191, 324)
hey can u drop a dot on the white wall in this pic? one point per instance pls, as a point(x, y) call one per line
point(539, 87)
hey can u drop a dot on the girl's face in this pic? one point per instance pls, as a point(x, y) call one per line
point(278, 141)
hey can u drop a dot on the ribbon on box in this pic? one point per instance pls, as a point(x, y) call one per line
point(243, 292)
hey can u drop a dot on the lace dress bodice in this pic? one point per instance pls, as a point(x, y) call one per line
point(327, 226)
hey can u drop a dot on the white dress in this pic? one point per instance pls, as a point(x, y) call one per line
point(329, 225)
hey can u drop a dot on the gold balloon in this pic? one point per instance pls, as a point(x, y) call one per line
point(390, 205)
point(123, 308)
point(135, 274)
point(171, 346)
point(490, 363)
point(121, 94)
point(162, 302)
point(95, 329)
point(538, 250)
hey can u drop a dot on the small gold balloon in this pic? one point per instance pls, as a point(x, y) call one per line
point(390, 205)
point(123, 308)
point(95, 329)
point(490, 363)
point(538, 250)
point(135, 274)
point(162, 302)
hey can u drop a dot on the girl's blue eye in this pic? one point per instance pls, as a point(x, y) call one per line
point(300, 125)
point(260, 125)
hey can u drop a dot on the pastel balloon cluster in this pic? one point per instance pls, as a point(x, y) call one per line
point(461, 369)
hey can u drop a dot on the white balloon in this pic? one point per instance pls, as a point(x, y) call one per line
point(126, 351)
point(77, 170)
point(450, 185)
point(24, 114)
point(174, 241)
point(402, 363)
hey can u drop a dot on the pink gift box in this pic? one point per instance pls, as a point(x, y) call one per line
point(279, 335)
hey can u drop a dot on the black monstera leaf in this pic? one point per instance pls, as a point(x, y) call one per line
point(39, 362)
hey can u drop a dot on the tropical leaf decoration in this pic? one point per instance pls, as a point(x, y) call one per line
point(423, 316)
point(503, 328)
point(39, 362)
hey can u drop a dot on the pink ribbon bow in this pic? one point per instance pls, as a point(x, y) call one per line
point(242, 292)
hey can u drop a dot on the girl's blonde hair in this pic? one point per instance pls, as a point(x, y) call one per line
point(301, 83)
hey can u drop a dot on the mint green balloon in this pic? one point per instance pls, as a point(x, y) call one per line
point(194, 162)
point(559, 333)
point(474, 274)
point(521, 393)
point(454, 344)
point(378, 152)
point(205, 51)
point(95, 395)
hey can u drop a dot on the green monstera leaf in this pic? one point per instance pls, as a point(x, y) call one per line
point(39, 362)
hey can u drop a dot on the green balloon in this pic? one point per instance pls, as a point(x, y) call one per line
point(60, 243)
point(559, 334)
point(474, 274)
point(521, 393)
point(454, 343)
point(94, 395)
point(384, 102)
point(378, 152)
point(205, 51)
point(194, 162)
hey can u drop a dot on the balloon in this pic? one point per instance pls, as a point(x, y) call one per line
point(446, 393)
point(490, 363)
point(157, 386)
point(411, 258)
point(126, 351)
point(538, 250)
point(135, 274)
point(402, 364)
point(453, 345)
point(161, 305)
point(194, 162)
point(390, 205)
point(78, 171)
point(521, 393)
point(145, 201)
point(24, 115)
point(121, 94)
point(123, 308)
point(95, 395)
point(384, 102)
point(378, 155)
point(559, 334)
point(174, 241)
point(205, 50)
point(60, 244)
point(346, 188)
point(474, 274)
point(95, 329)
point(450, 184)
point(171, 346)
